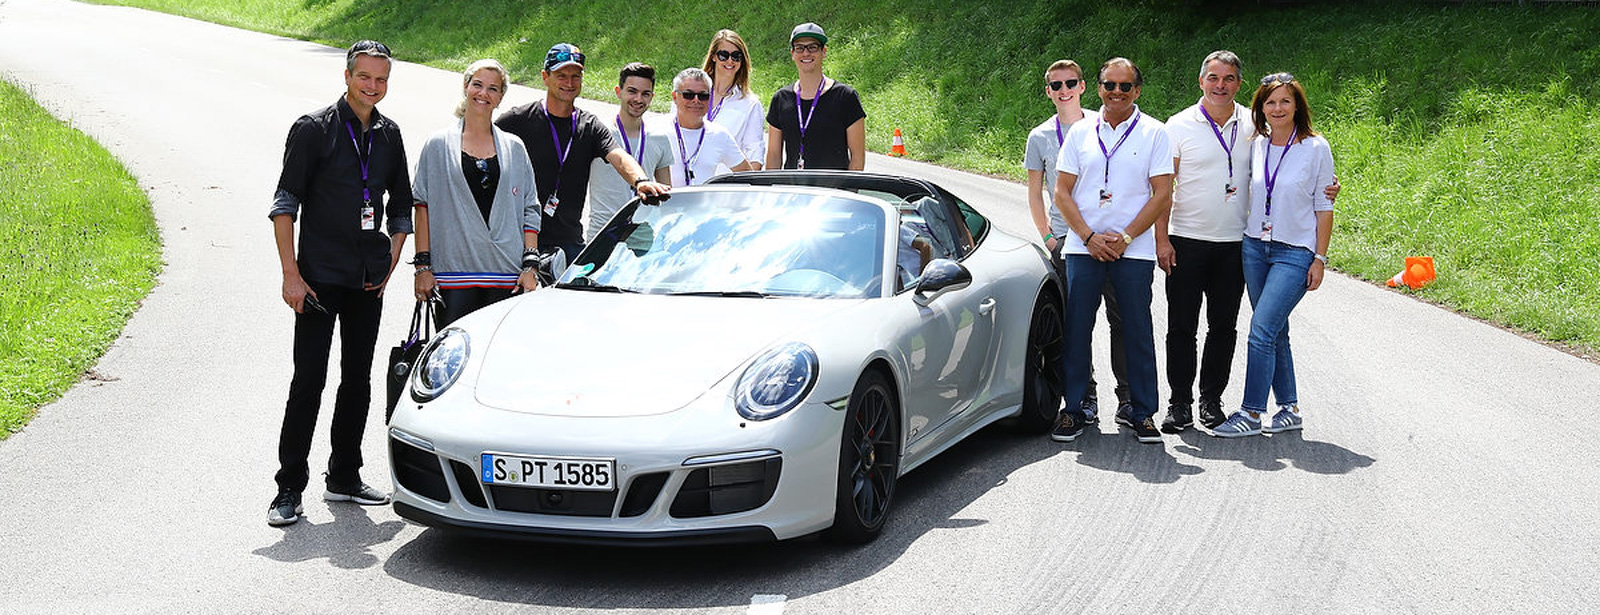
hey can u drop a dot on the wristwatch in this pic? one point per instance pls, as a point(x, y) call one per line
point(638, 179)
point(1323, 258)
point(1126, 239)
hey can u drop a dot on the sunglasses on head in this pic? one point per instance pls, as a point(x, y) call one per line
point(1069, 84)
point(1112, 86)
point(806, 48)
point(369, 48)
point(560, 57)
point(692, 95)
point(1277, 78)
point(735, 55)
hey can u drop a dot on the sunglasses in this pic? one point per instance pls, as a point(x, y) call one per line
point(370, 48)
point(1112, 86)
point(692, 95)
point(806, 48)
point(483, 170)
point(1277, 78)
point(561, 57)
point(1069, 84)
point(735, 55)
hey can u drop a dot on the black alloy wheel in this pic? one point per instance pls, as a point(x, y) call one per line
point(1042, 382)
point(869, 461)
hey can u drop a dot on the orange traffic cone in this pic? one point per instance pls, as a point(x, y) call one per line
point(1418, 273)
point(898, 146)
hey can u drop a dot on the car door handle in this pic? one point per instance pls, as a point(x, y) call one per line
point(986, 306)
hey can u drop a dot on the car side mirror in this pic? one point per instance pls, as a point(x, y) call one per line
point(942, 275)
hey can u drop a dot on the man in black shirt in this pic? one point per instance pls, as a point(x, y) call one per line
point(562, 140)
point(337, 165)
point(817, 123)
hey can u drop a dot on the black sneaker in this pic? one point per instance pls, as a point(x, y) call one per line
point(1179, 418)
point(1068, 428)
point(359, 493)
point(1091, 411)
point(1146, 431)
point(1211, 414)
point(1125, 413)
point(285, 510)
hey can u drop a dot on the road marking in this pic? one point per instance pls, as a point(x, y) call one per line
point(767, 604)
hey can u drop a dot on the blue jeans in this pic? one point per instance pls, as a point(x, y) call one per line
point(1130, 281)
point(1275, 280)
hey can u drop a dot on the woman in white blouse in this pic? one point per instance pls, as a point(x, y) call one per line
point(1285, 248)
point(733, 105)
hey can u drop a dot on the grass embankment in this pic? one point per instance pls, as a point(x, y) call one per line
point(78, 250)
point(1461, 132)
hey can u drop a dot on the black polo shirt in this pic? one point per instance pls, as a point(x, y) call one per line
point(826, 135)
point(591, 140)
point(322, 184)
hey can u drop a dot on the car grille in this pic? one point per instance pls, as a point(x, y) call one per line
point(418, 471)
point(727, 489)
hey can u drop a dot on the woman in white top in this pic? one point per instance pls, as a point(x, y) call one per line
point(733, 105)
point(1285, 248)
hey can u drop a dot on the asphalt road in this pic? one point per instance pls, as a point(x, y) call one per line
point(1443, 467)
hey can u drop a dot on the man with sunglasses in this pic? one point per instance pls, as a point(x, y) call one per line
point(818, 123)
point(1064, 86)
point(562, 141)
point(1113, 179)
point(636, 87)
point(698, 146)
point(338, 164)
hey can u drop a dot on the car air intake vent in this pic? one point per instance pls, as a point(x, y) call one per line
point(553, 501)
point(467, 480)
point(642, 493)
point(418, 471)
point(727, 489)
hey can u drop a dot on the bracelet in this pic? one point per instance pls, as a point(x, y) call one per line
point(1088, 237)
point(530, 260)
point(423, 259)
point(421, 269)
point(637, 180)
point(1049, 236)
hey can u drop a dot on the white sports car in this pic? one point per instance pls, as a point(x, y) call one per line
point(757, 359)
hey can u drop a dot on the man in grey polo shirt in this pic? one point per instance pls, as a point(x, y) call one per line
point(636, 86)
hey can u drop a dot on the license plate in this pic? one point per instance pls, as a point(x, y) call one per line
point(549, 472)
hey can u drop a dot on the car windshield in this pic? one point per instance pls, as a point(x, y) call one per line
point(739, 243)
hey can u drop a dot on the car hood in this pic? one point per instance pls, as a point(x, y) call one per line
point(580, 353)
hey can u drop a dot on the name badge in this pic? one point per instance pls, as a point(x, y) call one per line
point(1105, 199)
point(550, 205)
point(1266, 231)
point(369, 218)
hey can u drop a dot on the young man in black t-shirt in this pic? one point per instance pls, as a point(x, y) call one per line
point(816, 123)
point(562, 140)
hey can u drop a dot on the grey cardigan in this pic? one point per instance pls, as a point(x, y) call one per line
point(457, 236)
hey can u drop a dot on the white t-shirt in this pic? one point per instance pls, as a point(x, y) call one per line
point(717, 148)
point(743, 116)
point(1040, 155)
point(1143, 155)
point(1201, 206)
point(1299, 182)
point(608, 192)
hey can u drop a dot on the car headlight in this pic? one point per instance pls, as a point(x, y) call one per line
point(440, 364)
point(776, 382)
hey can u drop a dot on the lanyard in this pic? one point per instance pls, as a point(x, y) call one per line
point(562, 150)
point(624, 132)
point(1059, 137)
point(805, 121)
point(366, 193)
point(1114, 148)
point(712, 116)
point(1227, 147)
point(688, 176)
point(1272, 172)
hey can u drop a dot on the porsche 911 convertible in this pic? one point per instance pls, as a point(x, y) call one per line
point(756, 359)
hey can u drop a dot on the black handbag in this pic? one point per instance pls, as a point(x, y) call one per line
point(403, 358)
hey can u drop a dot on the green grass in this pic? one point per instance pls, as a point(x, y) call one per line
point(1461, 130)
point(79, 250)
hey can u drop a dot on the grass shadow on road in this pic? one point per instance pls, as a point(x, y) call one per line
point(345, 541)
point(710, 577)
point(1276, 452)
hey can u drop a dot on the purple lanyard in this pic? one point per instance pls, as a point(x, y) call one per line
point(1227, 147)
point(624, 132)
point(1059, 138)
point(1114, 148)
point(562, 151)
point(688, 176)
point(1272, 172)
point(712, 116)
point(366, 193)
point(805, 121)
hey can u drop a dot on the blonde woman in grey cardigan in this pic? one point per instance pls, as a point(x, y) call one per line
point(477, 211)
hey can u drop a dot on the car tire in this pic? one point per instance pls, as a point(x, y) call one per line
point(1042, 378)
point(869, 461)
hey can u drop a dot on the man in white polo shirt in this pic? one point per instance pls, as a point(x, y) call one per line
point(697, 145)
point(1113, 180)
point(636, 86)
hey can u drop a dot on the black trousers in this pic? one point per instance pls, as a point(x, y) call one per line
point(1211, 271)
point(357, 312)
point(459, 302)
